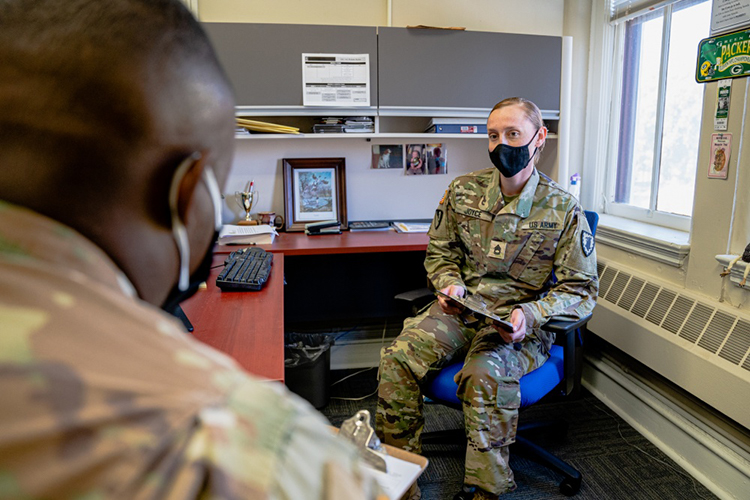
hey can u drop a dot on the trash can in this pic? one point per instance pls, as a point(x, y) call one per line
point(307, 366)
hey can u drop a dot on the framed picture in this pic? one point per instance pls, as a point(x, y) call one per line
point(314, 191)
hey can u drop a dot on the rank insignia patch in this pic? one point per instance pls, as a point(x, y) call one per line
point(587, 243)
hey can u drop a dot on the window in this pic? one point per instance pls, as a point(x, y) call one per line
point(657, 110)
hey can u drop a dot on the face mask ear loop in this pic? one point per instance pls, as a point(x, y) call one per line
point(536, 149)
point(213, 190)
point(178, 228)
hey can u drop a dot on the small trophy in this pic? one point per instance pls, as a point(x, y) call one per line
point(246, 199)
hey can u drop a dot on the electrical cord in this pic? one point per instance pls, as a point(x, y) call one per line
point(382, 343)
point(619, 431)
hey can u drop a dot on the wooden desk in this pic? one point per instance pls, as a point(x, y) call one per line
point(347, 242)
point(249, 326)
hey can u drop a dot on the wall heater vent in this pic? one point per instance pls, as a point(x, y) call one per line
point(679, 334)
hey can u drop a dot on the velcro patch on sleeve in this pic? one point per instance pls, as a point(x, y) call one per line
point(542, 225)
point(587, 243)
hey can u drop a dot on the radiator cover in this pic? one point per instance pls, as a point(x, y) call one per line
point(695, 342)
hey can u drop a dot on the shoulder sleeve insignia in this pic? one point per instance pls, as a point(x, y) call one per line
point(587, 243)
point(438, 220)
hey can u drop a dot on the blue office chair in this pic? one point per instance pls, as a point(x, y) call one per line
point(559, 374)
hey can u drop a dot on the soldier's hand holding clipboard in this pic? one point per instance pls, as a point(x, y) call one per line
point(472, 308)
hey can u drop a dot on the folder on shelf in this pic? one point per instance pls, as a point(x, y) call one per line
point(272, 128)
point(456, 126)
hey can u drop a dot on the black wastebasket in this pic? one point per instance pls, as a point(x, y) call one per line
point(307, 366)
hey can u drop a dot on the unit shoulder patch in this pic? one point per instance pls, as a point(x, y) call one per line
point(438, 219)
point(587, 243)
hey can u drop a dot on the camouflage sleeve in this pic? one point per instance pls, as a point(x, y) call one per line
point(444, 253)
point(574, 294)
point(310, 450)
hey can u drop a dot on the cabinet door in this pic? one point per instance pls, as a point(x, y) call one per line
point(264, 61)
point(464, 69)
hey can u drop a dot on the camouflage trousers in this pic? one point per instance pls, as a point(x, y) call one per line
point(488, 388)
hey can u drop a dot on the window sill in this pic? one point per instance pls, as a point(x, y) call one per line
point(737, 273)
point(662, 244)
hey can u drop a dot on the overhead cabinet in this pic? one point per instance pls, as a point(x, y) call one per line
point(413, 72)
point(465, 70)
point(264, 61)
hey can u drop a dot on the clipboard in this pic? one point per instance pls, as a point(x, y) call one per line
point(478, 306)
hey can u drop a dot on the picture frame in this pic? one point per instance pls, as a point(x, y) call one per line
point(314, 191)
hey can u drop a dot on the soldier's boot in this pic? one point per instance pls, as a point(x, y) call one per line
point(473, 493)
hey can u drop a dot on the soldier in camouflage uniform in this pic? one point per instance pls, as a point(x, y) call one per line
point(102, 393)
point(498, 233)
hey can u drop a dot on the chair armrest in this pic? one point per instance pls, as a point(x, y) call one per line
point(414, 295)
point(561, 326)
point(566, 336)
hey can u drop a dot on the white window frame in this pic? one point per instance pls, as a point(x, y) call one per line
point(614, 36)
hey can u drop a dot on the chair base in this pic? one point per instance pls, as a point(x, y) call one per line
point(571, 483)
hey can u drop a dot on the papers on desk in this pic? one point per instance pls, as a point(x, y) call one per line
point(399, 478)
point(247, 235)
point(412, 227)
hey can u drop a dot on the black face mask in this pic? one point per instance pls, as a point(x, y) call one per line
point(510, 160)
point(189, 284)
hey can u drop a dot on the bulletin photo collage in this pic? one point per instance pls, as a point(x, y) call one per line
point(413, 159)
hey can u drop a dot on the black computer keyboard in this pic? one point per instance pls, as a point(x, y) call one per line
point(245, 269)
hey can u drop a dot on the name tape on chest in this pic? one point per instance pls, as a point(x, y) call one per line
point(473, 212)
point(541, 225)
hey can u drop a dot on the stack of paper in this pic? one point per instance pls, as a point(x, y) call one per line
point(359, 124)
point(247, 235)
point(412, 227)
point(399, 478)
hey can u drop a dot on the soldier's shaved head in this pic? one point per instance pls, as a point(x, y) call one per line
point(101, 100)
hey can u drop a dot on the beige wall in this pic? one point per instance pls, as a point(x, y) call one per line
point(541, 17)
point(720, 213)
point(342, 12)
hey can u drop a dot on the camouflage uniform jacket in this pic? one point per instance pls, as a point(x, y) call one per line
point(104, 396)
point(507, 253)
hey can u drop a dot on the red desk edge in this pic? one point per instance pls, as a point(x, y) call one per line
point(226, 320)
point(347, 242)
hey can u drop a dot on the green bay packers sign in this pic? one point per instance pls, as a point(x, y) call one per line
point(725, 56)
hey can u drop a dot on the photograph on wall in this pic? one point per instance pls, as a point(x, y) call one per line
point(721, 148)
point(436, 159)
point(415, 159)
point(387, 156)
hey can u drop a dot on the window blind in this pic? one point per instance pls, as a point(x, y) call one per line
point(624, 10)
